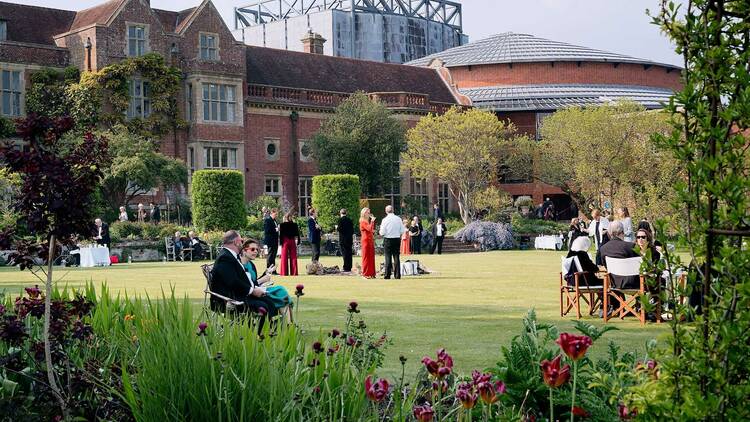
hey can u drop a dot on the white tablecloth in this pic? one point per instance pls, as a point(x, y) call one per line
point(548, 242)
point(93, 257)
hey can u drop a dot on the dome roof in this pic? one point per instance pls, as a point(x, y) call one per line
point(510, 47)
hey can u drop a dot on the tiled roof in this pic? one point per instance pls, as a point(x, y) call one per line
point(283, 68)
point(99, 14)
point(34, 24)
point(510, 47)
point(553, 97)
point(173, 21)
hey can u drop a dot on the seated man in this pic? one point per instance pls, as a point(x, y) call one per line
point(200, 247)
point(229, 279)
point(177, 243)
point(618, 248)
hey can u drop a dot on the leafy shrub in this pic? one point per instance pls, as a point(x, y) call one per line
point(525, 225)
point(255, 207)
point(218, 200)
point(488, 235)
point(523, 201)
point(129, 230)
point(331, 192)
point(254, 223)
point(453, 225)
point(376, 206)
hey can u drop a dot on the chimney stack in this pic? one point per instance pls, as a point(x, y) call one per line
point(313, 43)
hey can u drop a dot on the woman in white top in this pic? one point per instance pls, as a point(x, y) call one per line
point(627, 224)
point(123, 214)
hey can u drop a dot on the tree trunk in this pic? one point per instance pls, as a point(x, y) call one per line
point(47, 349)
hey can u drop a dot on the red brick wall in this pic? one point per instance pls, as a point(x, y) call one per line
point(564, 73)
point(33, 54)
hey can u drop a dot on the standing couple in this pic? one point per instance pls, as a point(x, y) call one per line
point(391, 229)
point(287, 233)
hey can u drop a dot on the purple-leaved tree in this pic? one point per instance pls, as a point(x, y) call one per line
point(59, 176)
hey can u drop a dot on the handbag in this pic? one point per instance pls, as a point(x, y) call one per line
point(278, 296)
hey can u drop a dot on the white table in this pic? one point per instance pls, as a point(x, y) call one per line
point(548, 242)
point(93, 257)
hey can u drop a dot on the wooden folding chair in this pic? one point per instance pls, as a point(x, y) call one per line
point(626, 299)
point(581, 290)
point(169, 249)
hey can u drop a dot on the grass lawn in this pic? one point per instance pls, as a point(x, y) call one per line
point(471, 305)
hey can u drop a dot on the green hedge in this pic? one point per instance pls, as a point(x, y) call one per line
point(331, 192)
point(376, 206)
point(218, 200)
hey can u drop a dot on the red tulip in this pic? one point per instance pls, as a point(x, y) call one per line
point(445, 358)
point(466, 396)
point(580, 412)
point(378, 390)
point(424, 413)
point(490, 392)
point(553, 375)
point(33, 292)
point(431, 365)
point(441, 386)
point(574, 346)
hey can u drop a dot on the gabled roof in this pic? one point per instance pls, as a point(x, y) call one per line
point(554, 97)
point(283, 68)
point(510, 47)
point(100, 14)
point(173, 21)
point(34, 24)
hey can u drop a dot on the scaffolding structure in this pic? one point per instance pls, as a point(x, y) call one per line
point(265, 11)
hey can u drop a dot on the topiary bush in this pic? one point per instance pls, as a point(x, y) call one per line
point(331, 192)
point(218, 200)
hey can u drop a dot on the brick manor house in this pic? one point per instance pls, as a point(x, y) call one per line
point(255, 109)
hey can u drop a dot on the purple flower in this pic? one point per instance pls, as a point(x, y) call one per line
point(12, 330)
point(33, 292)
point(353, 307)
point(202, 328)
point(335, 333)
point(82, 331)
point(2, 310)
point(298, 290)
point(317, 347)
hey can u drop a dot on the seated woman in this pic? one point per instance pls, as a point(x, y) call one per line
point(276, 294)
point(579, 249)
point(645, 241)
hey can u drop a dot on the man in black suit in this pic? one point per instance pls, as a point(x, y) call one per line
point(345, 227)
point(228, 278)
point(101, 232)
point(438, 234)
point(155, 213)
point(618, 248)
point(271, 237)
point(436, 211)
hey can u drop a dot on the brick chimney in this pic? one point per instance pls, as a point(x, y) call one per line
point(313, 43)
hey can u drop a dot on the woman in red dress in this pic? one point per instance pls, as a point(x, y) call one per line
point(406, 240)
point(289, 234)
point(367, 229)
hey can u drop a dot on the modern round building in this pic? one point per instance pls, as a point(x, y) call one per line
point(524, 79)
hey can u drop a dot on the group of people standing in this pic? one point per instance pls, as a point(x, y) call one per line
point(153, 215)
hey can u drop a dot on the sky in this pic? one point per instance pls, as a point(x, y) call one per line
point(618, 26)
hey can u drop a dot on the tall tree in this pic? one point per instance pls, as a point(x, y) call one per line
point(361, 138)
point(602, 153)
point(462, 148)
point(137, 167)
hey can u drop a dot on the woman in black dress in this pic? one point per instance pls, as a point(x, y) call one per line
point(416, 235)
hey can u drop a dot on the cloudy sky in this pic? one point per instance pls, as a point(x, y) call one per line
point(619, 26)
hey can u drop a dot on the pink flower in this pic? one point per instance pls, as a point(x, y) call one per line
point(441, 367)
point(378, 390)
point(490, 392)
point(574, 346)
point(423, 413)
point(626, 413)
point(431, 365)
point(202, 328)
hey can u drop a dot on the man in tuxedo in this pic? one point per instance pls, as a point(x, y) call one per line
point(229, 279)
point(438, 234)
point(618, 248)
point(271, 237)
point(200, 247)
point(598, 230)
point(155, 213)
point(101, 232)
point(345, 227)
point(313, 233)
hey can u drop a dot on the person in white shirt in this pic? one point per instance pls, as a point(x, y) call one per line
point(598, 230)
point(438, 234)
point(123, 214)
point(391, 229)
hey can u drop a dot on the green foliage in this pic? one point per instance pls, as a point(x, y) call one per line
point(47, 94)
point(9, 190)
point(376, 206)
point(137, 167)
point(492, 204)
point(602, 149)
point(332, 192)
point(705, 374)
point(361, 138)
point(462, 148)
point(523, 225)
point(255, 207)
point(218, 198)
point(7, 127)
point(130, 230)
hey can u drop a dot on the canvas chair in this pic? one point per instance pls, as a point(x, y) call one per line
point(571, 296)
point(625, 299)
